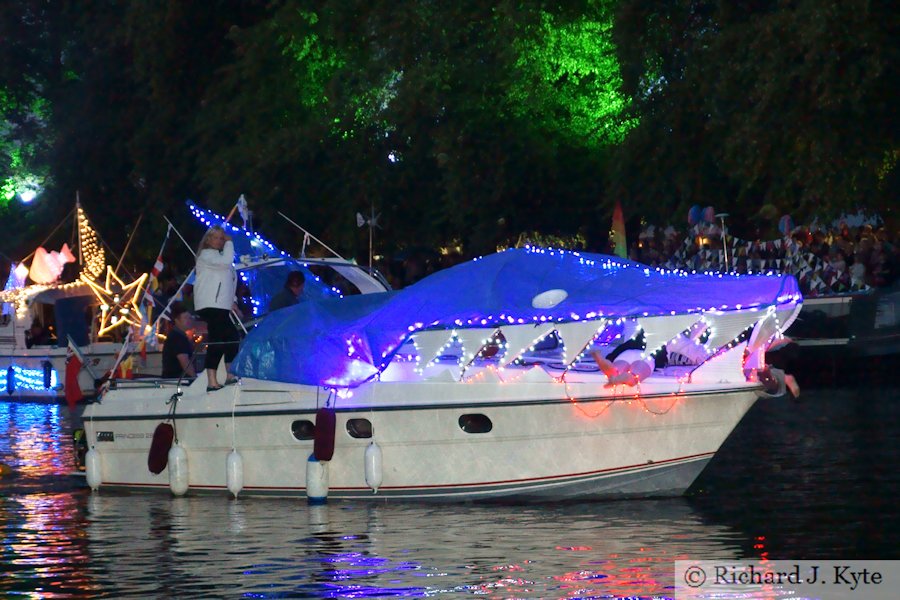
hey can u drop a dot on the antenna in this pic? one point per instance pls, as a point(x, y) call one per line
point(372, 222)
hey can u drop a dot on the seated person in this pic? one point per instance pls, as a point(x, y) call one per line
point(178, 349)
point(37, 335)
point(290, 295)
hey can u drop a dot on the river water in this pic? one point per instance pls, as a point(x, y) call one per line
point(815, 479)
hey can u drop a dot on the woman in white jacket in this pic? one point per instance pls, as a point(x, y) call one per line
point(214, 300)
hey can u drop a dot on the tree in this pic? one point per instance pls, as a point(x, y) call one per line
point(759, 102)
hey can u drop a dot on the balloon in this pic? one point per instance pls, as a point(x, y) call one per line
point(785, 224)
point(694, 215)
point(44, 268)
point(709, 214)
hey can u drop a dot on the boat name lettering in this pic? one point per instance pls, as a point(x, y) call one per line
point(105, 436)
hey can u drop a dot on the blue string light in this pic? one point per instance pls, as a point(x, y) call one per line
point(29, 379)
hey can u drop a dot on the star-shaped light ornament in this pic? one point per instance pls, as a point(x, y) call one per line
point(119, 302)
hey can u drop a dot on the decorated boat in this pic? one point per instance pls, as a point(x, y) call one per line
point(526, 374)
point(62, 302)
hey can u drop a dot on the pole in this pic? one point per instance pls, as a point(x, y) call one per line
point(191, 250)
point(130, 238)
point(724, 239)
point(286, 218)
point(371, 229)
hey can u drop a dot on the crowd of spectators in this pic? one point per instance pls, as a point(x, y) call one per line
point(828, 259)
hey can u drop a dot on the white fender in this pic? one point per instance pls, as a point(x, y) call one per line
point(373, 466)
point(316, 480)
point(178, 469)
point(234, 472)
point(93, 468)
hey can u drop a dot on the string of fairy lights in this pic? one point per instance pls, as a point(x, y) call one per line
point(117, 300)
point(92, 255)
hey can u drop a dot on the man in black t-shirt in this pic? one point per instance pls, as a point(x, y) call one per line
point(178, 349)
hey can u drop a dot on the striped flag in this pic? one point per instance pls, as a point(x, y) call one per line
point(158, 266)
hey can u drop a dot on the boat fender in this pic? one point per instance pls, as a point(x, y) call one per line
point(93, 468)
point(48, 371)
point(159, 448)
point(178, 470)
point(373, 460)
point(323, 440)
point(5, 470)
point(234, 472)
point(10, 380)
point(316, 480)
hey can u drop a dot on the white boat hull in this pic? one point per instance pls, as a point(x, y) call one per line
point(547, 440)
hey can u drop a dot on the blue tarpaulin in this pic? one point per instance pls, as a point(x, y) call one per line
point(344, 342)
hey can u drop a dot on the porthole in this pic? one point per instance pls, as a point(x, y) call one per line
point(303, 430)
point(475, 423)
point(359, 428)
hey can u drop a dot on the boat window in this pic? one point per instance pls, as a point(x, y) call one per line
point(303, 430)
point(475, 423)
point(359, 428)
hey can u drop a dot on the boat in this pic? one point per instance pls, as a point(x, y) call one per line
point(847, 331)
point(847, 338)
point(529, 374)
point(79, 302)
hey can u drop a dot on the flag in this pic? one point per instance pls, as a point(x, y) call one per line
point(158, 266)
point(114, 371)
point(618, 231)
point(125, 369)
point(74, 362)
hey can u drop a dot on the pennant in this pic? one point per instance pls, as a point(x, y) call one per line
point(158, 267)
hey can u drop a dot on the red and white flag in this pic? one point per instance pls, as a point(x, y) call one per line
point(158, 267)
point(74, 363)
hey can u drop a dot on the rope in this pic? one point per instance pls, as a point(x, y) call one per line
point(46, 239)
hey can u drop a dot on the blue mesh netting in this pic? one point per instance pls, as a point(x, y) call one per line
point(344, 342)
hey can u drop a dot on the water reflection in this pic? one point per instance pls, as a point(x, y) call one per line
point(34, 439)
point(802, 481)
point(282, 548)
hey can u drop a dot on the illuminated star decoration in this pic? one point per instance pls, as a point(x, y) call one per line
point(118, 301)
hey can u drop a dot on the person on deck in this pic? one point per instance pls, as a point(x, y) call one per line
point(37, 335)
point(178, 349)
point(290, 294)
point(214, 301)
